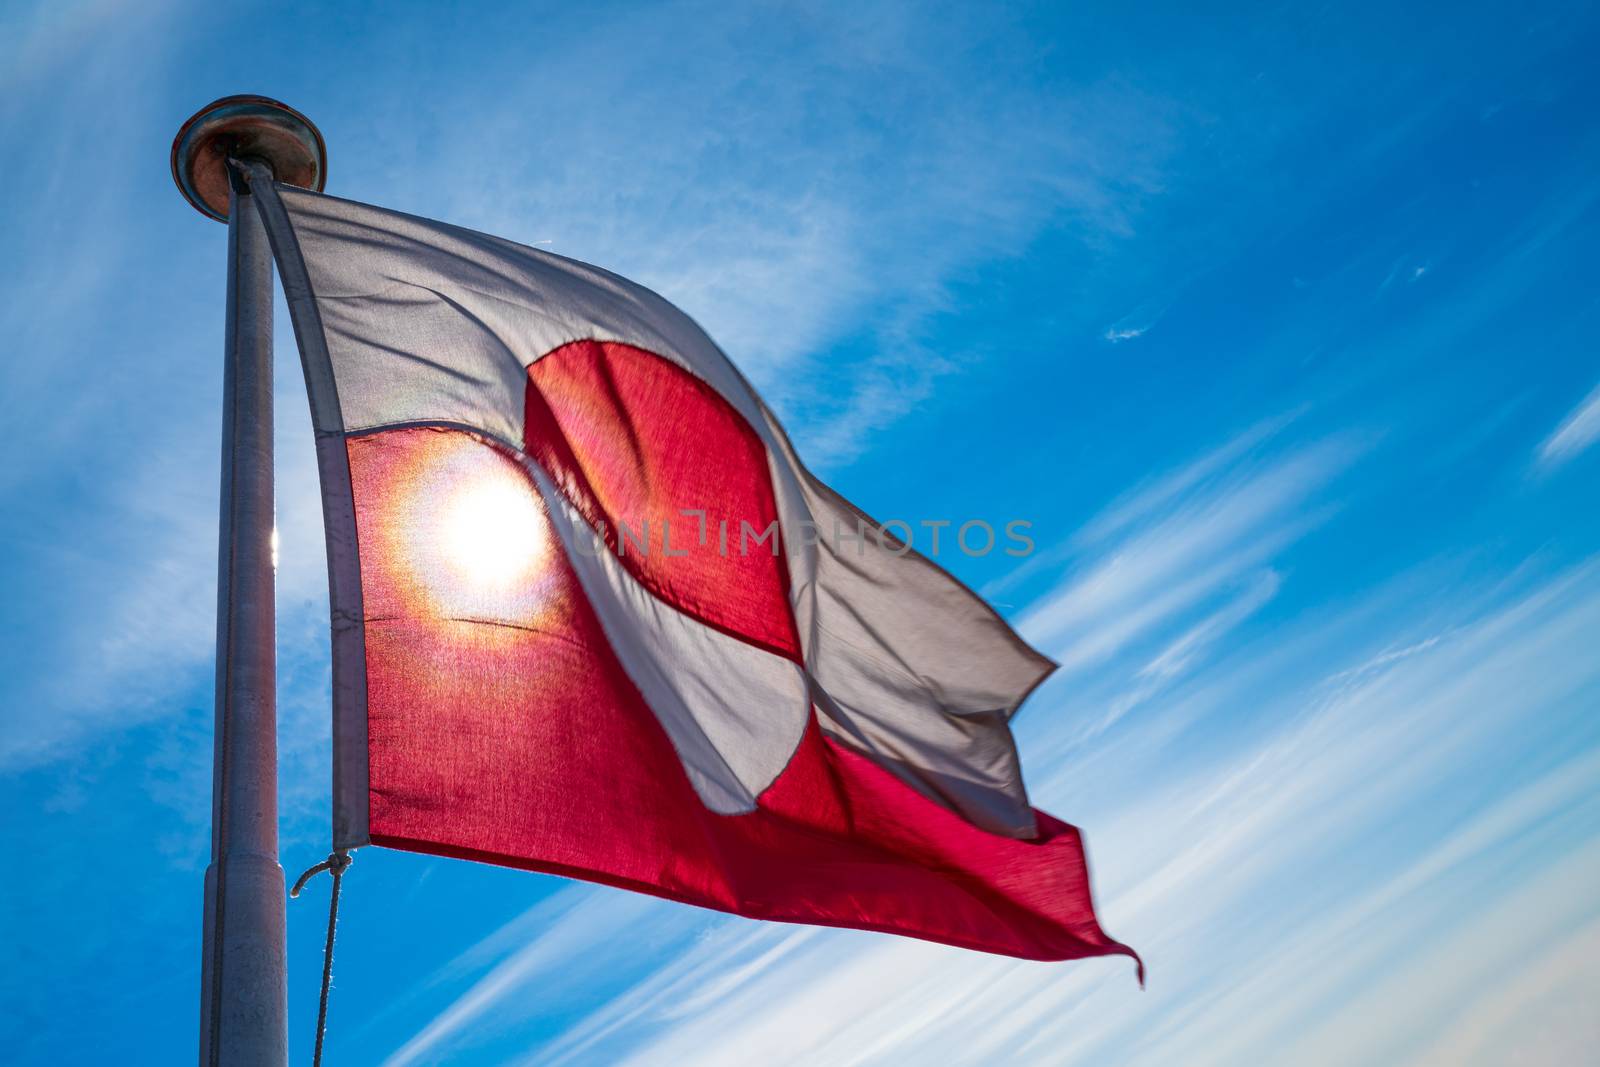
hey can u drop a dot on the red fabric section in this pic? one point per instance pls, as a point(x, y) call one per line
point(633, 440)
point(502, 728)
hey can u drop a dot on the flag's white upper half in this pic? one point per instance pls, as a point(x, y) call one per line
point(432, 324)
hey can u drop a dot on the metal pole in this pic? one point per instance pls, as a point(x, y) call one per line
point(244, 992)
point(243, 985)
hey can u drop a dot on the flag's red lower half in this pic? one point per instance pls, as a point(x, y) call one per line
point(502, 727)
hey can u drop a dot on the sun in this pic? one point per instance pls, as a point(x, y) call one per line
point(454, 530)
point(492, 531)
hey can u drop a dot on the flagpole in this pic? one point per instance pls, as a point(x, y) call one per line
point(244, 990)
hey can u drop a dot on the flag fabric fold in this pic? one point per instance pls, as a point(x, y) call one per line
point(592, 616)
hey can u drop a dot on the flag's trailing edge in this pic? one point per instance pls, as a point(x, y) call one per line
point(777, 710)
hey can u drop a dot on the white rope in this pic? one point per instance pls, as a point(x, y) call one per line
point(335, 864)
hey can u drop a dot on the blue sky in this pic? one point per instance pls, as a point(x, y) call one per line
point(1280, 326)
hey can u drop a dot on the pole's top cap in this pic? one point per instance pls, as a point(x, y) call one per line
point(245, 126)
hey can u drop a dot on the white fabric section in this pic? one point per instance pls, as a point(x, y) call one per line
point(428, 322)
point(913, 668)
point(735, 713)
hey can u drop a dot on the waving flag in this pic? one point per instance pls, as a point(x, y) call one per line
point(592, 616)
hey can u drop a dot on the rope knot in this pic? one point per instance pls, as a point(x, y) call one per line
point(335, 865)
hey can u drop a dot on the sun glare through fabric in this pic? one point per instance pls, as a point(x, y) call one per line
point(453, 529)
point(493, 531)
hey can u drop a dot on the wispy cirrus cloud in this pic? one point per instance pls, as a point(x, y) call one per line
point(557, 937)
point(1180, 653)
point(1223, 518)
point(1577, 432)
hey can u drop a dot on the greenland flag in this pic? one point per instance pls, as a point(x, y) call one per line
point(591, 615)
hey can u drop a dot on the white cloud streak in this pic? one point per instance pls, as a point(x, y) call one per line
point(576, 931)
point(1222, 529)
point(1577, 432)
